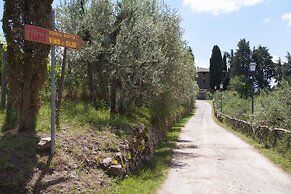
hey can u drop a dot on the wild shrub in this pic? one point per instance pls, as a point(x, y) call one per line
point(272, 108)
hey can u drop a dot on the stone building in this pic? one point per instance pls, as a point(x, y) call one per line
point(203, 81)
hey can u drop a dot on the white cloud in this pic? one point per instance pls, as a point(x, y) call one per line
point(276, 59)
point(216, 7)
point(267, 20)
point(287, 17)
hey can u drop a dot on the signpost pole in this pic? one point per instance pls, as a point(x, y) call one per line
point(53, 100)
point(53, 38)
point(3, 83)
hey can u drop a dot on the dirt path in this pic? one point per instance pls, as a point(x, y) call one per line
point(209, 159)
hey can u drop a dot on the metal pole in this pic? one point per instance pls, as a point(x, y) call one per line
point(3, 83)
point(221, 101)
point(53, 100)
point(252, 94)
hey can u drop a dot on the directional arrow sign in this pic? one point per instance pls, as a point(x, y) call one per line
point(46, 36)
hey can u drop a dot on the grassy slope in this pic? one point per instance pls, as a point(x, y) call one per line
point(85, 138)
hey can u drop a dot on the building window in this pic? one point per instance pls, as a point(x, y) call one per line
point(204, 80)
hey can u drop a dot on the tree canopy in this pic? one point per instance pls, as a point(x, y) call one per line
point(126, 68)
point(265, 69)
point(239, 75)
point(242, 59)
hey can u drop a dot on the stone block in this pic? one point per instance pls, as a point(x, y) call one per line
point(106, 162)
point(116, 170)
point(44, 144)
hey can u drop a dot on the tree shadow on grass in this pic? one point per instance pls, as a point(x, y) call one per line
point(40, 184)
point(17, 161)
point(19, 164)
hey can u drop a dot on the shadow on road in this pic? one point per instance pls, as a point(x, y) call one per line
point(184, 155)
point(178, 165)
point(183, 141)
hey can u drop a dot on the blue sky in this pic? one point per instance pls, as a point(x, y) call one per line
point(224, 22)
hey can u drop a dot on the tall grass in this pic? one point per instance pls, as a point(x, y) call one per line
point(84, 114)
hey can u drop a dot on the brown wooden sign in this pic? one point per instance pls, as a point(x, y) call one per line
point(46, 36)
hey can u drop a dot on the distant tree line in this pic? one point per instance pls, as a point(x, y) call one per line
point(232, 69)
point(272, 82)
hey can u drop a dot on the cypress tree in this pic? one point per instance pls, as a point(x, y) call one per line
point(225, 72)
point(215, 67)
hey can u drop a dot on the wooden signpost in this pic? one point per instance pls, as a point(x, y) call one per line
point(46, 36)
point(53, 38)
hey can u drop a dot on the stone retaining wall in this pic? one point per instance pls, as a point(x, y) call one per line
point(139, 148)
point(270, 137)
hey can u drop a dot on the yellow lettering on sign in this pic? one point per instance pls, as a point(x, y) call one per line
point(55, 33)
point(71, 44)
point(54, 41)
point(70, 36)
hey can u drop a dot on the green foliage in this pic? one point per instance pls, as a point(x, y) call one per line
point(272, 108)
point(240, 84)
point(265, 69)
point(242, 59)
point(233, 104)
point(2, 120)
point(82, 114)
point(216, 68)
point(120, 67)
point(284, 70)
point(123, 66)
point(225, 70)
point(239, 68)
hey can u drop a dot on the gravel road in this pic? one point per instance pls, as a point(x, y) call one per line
point(208, 159)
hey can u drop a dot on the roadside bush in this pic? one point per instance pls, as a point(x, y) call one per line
point(233, 104)
point(272, 108)
point(240, 84)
